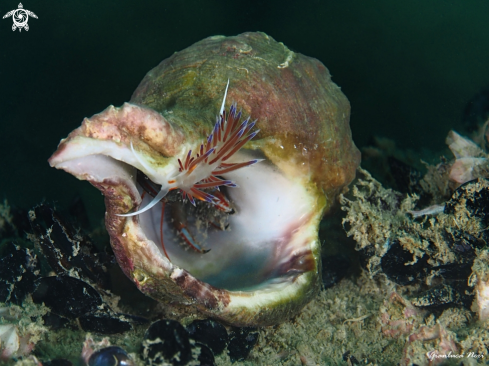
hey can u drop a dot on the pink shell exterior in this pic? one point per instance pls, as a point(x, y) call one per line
point(304, 123)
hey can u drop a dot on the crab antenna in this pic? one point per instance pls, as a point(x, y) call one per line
point(224, 100)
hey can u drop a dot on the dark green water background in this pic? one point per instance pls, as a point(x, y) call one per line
point(407, 67)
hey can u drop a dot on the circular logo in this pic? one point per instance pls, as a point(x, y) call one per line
point(20, 18)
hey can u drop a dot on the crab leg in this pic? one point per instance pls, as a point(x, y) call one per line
point(180, 224)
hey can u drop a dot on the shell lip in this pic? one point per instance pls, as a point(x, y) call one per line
point(147, 268)
point(142, 261)
point(271, 207)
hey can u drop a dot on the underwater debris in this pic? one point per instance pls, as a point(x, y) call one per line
point(67, 296)
point(408, 172)
point(241, 342)
point(21, 328)
point(335, 267)
point(480, 280)
point(437, 261)
point(435, 253)
point(197, 344)
point(373, 215)
point(73, 299)
point(209, 332)
point(205, 356)
point(167, 341)
point(438, 296)
point(471, 161)
point(441, 343)
point(21, 324)
point(66, 249)
point(78, 293)
point(350, 359)
point(393, 264)
point(19, 269)
point(400, 318)
point(402, 170)
point(482, 295)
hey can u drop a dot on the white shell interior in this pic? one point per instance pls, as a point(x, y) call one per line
point(249, 253)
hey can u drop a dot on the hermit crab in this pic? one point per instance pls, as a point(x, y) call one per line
point(220, 218)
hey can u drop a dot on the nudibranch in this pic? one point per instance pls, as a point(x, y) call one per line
point(221, 219)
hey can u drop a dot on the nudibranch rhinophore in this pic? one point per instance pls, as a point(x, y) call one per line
point(221, 218)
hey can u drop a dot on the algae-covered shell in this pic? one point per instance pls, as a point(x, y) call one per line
point(264, 261)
